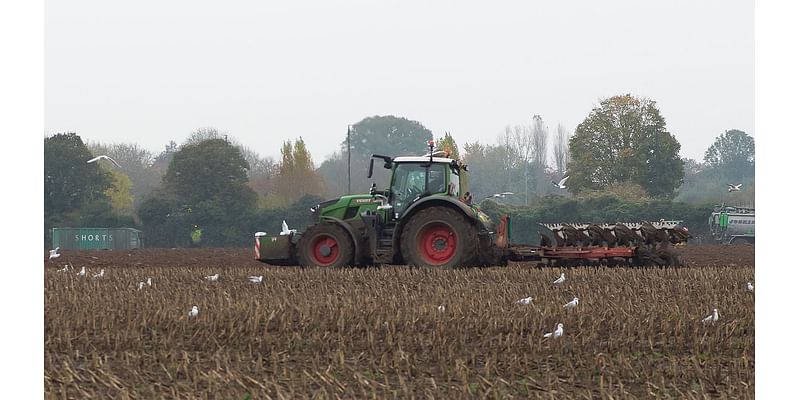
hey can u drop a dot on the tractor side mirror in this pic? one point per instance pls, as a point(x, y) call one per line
point(371, 165)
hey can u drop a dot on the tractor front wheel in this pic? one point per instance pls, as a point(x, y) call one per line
point(325, 245)
point(439, 237)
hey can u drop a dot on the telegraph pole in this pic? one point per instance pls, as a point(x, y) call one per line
point(349, 127)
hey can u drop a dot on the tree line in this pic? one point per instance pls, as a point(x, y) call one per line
point(621, 150)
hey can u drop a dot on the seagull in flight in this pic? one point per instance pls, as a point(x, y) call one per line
point(572, 304)
point(194, 312)
point(285, 229)
point(441, 308)
point(714, 317)
point(104, 157)
point(561, 279)
point(100, 275)
point(750, 287)
point(54, 253)
point(212, 278)
point(525, 301)
point(561, 183)
point(82, 272)
point(734, 188)
point(256, 279)
point(558, 332)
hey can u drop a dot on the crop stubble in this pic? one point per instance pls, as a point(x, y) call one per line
point(377, 332)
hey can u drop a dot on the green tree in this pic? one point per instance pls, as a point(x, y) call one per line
point(72, 187)
point(625, 139)
point(69, 181)
point(206, 185)
point(208, 169)
point(388, 135)
point(733, 152)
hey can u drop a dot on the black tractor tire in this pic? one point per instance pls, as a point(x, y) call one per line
point(440, 237)
point(325, 245)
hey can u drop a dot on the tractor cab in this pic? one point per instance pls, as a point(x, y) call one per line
point(414, 178)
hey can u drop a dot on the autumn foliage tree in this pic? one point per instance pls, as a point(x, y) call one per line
point(625, 139)
point(296, 176)
point(448, 145)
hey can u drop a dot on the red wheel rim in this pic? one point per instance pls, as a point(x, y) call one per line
point(325, 250)
point(437, 243)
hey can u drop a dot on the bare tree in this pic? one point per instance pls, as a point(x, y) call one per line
point(561, 149)
point(521, 137)
point(205, 133)
point(540, 132)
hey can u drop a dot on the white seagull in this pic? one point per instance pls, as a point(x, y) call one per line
point(525, 301)
point(572, 304)
point(82, 272)
point(734, 188)
point(441, 308)
point(212, 278)
point(561, 183)
point(100, 275)
point(560, 279)
point(65, 269)
point(54, 253)
point(712, 318)
point(256, 279)
point(750, 287)
point(104, 157)
point(148, 283)
point(285, 229)
point(558, 332)
point(194, 312)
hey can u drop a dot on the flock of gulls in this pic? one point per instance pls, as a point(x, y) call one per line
point(558, 329)
point(557, 332)
point(149, 282)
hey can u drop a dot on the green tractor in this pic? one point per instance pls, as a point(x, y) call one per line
point(425, 218)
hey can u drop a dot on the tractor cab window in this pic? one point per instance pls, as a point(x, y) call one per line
point(454, 189)
point(409, 182)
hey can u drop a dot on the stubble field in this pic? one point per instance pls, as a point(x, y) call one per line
point(379, 332)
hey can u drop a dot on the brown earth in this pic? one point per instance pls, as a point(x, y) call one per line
point(691, 255)
point(379, 332)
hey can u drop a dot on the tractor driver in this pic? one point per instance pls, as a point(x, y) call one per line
point(436, 182)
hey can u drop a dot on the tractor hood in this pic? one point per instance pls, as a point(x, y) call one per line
point(341, 208)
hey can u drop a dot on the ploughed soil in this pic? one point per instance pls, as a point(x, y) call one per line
point(691, 255)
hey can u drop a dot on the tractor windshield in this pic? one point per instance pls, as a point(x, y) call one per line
point(408, 182)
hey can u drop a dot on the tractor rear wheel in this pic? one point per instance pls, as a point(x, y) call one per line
point(325, 245)
point(439, 237)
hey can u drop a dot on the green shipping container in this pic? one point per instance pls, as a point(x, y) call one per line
point(97, 238)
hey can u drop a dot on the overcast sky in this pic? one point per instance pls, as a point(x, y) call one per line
point(153, 71)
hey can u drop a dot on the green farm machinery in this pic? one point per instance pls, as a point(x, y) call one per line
point(427, 218)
